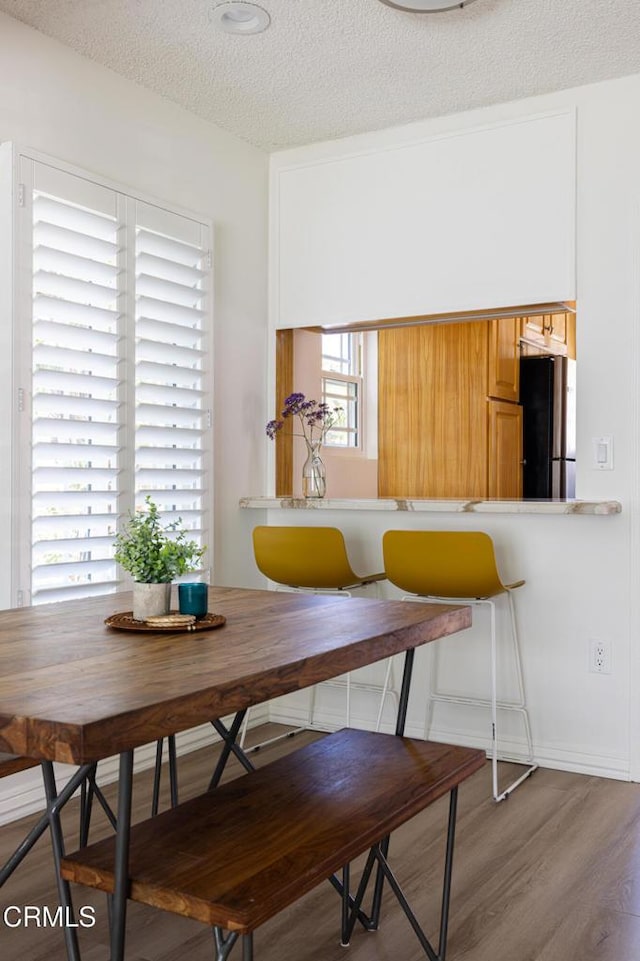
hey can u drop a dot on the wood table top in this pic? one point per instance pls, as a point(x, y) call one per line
point(74, 690)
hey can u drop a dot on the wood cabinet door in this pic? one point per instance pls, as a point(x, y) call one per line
point(505, 450)
point(571, 335)
point(503, 374)
point(557, 330)
point(432, 421)
point(554, 332)
point(534, 328)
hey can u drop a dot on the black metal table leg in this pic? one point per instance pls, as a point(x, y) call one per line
point(229, 737)
point(405, 690)
point(173, 769)
point(121, 867)
point(57, 844)
point(401, 721)
point(42, 824)
point(157, 773)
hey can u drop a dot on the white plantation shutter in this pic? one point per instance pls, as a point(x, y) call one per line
point(75, 384)
point(172, 412)
point(116, 377)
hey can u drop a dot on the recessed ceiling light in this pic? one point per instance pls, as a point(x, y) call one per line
point(426, 6)
point(236, 17)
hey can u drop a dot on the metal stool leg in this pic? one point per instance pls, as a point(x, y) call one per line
point(157, 773)
point(386, 691)
point(494, 702)
point(495, 705)
point(519, 706)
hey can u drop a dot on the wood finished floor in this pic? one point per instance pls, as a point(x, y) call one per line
point(552, 874)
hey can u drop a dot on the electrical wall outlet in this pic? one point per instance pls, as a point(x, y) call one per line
point(599, 657)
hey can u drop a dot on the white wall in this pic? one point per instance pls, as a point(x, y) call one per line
point(582, 572)
point(480, 216)
point(58, 102)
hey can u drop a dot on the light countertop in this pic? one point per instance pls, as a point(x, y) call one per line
point(434, 506)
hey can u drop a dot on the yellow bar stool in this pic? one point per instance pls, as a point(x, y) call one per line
point(314, 560)
point(446, 566)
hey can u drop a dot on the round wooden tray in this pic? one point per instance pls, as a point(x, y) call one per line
point(124, 621)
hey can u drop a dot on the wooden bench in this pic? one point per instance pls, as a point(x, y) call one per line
point(12, 763)
point(236, 856)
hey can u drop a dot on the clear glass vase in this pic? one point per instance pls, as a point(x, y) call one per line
point(314, 476)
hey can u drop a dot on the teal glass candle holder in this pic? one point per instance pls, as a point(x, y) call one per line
point(193, 599)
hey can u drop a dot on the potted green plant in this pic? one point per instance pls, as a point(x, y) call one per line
point(154, 555)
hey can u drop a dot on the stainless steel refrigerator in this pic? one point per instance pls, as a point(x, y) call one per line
point(548, 398)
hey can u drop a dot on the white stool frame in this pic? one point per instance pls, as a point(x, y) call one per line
point(518, 706)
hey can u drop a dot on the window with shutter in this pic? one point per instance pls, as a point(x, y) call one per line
point(114, 292)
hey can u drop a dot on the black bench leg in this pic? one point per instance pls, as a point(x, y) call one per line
point(224, 943)
point(346, 907)
point(448, 864)
point(378, 854)
point(247, 947)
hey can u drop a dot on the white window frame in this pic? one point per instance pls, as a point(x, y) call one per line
point(15, 363)
point(350, 378)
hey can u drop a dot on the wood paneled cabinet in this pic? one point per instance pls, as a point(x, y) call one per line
point(555, 333)
point(505, 451)
point(449, 424)
point(503, 372)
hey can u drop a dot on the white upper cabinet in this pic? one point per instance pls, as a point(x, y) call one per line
point(478, 218)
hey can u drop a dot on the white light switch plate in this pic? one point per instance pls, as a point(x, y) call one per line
point(603, 453)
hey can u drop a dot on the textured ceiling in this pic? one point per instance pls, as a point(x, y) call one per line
point(329, 68)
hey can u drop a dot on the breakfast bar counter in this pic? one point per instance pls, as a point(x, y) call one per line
point(444, 505)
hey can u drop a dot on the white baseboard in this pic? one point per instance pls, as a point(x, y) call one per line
point(559, 758)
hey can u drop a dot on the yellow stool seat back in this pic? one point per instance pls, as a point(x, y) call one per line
point(308, 557)
point(442, 563)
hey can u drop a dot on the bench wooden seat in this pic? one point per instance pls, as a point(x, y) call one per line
point(236, 856)
point(12, 763)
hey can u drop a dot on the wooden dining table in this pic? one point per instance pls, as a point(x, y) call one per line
point(76, 691)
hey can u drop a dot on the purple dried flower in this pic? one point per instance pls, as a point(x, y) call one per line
point(273, 427)
point(315, 418)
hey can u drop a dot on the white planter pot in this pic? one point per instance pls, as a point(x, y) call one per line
point(150, 600)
